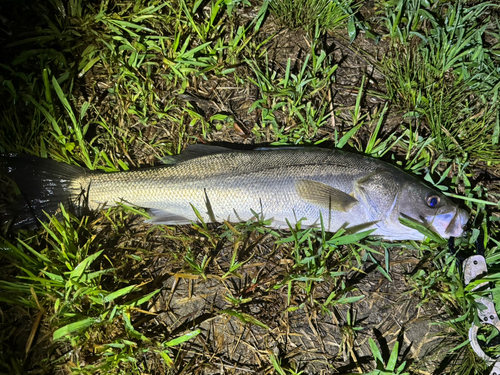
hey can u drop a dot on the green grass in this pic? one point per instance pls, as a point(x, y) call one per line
point(119, 85)
point(441, 73)
point(312, 14)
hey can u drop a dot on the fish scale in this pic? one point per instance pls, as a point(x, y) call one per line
point(229, 179)
point(285, 185)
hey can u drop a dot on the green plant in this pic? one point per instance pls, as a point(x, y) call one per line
point(289, 103)
point(390, 367)
point(197, 268)
point(310, 14)
point(59, 277)
point(311, 254)
point(435, 79)
point(279, 368)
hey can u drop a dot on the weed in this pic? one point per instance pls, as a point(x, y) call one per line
point(390, 367)
point(434, 80)
point(280, 369)
point(288, 97)
point(311, 14)
point(349, 333)
point(60, 278)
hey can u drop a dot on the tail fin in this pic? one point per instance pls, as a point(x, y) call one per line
point(43, 184)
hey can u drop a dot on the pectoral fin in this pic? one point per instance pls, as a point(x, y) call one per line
point(324, 195)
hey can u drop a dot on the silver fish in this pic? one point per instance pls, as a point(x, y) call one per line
point(285, 185)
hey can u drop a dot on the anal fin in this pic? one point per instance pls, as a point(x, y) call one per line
point(159, 216)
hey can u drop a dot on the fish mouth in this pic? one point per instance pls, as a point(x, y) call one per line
point(450, 224)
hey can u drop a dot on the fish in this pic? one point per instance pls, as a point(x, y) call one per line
point(307, 186)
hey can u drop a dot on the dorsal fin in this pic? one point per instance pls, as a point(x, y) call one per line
point(193, 152)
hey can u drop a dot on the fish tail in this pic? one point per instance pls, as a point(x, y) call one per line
point(43, 185)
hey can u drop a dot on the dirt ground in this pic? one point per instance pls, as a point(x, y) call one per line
point(317, 343)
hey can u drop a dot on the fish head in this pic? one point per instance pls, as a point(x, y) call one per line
point(434, 210)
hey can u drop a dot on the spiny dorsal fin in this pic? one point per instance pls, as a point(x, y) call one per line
point(193, 152)
point(324, 195)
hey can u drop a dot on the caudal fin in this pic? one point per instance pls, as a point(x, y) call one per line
point(43, 184)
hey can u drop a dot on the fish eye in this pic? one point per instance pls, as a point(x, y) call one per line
point(432, 200)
